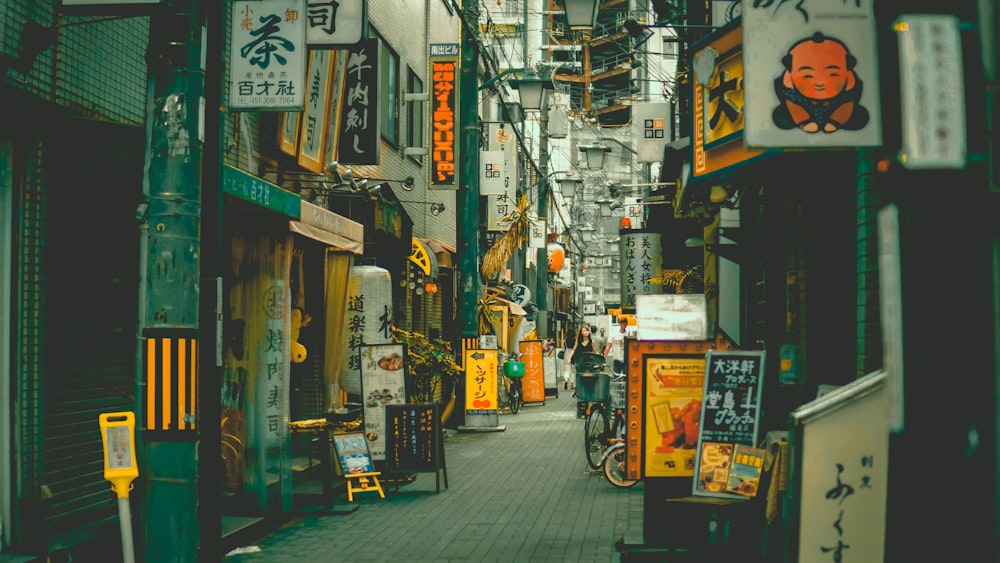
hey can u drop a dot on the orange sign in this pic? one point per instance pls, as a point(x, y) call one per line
point(533, 382)
point(717, 107)
point(444, 105)
point(673, 414)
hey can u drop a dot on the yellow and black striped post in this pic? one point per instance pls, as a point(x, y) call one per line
point(170, 361)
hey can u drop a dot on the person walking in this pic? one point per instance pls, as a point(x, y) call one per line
point(616, 346)
point(600, 341)
point(584, 344)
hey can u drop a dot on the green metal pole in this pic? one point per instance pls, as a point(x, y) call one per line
point(468, 190)
point(168, 472)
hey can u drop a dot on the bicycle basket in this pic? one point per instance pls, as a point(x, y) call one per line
point(513, 369)
point(592, 386)
point(618, 394)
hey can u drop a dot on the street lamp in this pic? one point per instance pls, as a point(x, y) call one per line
point(594, 155)
point(581, 14)
point(532, 91)
point(568, 186)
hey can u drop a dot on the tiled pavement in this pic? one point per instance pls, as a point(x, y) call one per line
point(524, 494)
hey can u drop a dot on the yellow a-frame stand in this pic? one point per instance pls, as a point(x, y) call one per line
point(363, 483)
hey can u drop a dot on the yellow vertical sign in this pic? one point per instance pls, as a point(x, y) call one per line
point(481, 381)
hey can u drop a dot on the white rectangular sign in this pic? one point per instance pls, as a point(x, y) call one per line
point(268, 55)
point(332, 23)
point(649, 129)
point(491, 172)
point(501, 204)
point(672, 317)
point(810, 75)
point(932, 91)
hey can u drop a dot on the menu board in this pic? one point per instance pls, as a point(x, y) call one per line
point(413, 439)
point(352, 453)
point(383, 383)
point(411, 442)
point(730, 413)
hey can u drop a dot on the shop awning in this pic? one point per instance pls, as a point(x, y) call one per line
point(329, 228)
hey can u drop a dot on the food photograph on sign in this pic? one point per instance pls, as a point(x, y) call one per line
point(673, 414)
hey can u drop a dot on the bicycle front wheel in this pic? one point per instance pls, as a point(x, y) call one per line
point(595, 431)
point(614, 468)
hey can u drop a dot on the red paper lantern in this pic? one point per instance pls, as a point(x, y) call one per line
point(557, 255)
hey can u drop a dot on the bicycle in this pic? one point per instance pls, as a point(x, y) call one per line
point(593, 380)
point(511, 394)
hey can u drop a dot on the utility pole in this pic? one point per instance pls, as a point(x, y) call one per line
point(468, 190)
point(169, 295)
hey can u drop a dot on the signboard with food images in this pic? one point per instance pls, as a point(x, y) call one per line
point(673, 413)
point(730, 418)
point(383, 382)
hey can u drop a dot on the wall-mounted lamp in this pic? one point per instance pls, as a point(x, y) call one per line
point(437, 209)
point(568, 186)
point(581, 14)
point(407, 184)
point(604, 205)
point(594, 155)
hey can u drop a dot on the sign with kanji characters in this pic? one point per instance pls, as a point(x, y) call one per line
point(810, 75)
point(533, 382)
point(730, 413)
point(268, 55)
point(841, 444)
point(411, 442)
point(316, 117)
point(717, 104)
point(444, 123)
point(383, 383)
point(359, 119)
point(336, 23)
point(501, 139)
point(642, 266)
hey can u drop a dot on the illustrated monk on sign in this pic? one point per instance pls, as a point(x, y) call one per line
point(819, 90)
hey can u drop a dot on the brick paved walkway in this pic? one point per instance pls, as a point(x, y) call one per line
point(525, 494)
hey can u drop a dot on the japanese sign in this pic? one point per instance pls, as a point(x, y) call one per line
point(673, 393)
point(359, 119)
point(932, 91)
point(641, 260)
point(717, 104)
point(811, 74)
point(444, 107)
point(533, 382)
point(504, 202)
point(335, 22)
point(383, 382)
point(730, 412)
point(481, 377)
point(649, 129)
point(316, 118)
point(412, 441)
point(843, 476)
point(268, 52)
point(271, 394)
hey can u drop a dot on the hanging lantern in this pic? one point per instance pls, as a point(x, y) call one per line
point(557, 255)
point(368, 319)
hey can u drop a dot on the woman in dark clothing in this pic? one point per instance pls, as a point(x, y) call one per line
point(584, 343)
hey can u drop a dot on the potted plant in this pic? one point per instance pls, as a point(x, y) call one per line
point(432, 370)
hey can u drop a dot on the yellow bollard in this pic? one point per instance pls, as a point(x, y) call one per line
point(120, 468)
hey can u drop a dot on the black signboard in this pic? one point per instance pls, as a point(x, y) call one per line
point(413, 440)
point(730, 414)
point(359, 125)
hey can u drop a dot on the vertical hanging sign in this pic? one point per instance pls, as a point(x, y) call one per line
point(649, 129)
point(444, 109)
point(315, 118)
point(642, 265)
point(336, 24)
point(501, 204)
point(359, 124)
point(267, 58)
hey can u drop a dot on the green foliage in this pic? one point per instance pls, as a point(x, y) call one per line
point(431, 366)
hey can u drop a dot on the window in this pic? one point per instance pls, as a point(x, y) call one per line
point(414, 113)
point(389, 86)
